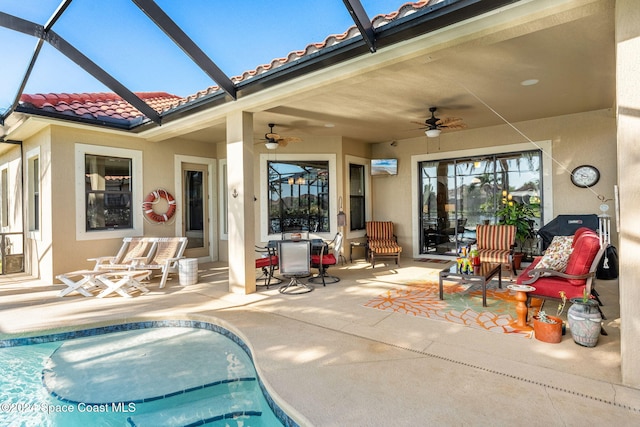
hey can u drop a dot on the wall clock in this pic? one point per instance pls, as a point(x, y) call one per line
point(585, 176)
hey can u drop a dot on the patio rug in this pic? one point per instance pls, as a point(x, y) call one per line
point(462, 305)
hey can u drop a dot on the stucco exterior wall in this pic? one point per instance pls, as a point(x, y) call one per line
point(576, 139)
point(58, 223)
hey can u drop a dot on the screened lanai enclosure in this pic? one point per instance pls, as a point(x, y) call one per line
point(458, 194)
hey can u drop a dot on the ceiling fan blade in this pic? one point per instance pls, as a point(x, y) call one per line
point(449, 120)
point(272, 136)
point(282, 142)
point(288, 139)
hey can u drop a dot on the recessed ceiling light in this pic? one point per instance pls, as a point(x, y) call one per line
point(329, 125)
point(529, 82)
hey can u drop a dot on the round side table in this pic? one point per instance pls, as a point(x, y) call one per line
point(521, 307)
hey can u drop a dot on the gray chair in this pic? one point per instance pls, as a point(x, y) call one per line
point(295, 263)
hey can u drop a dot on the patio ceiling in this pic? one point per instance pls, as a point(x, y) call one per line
point(471, 58)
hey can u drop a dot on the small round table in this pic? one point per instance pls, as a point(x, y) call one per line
point(521, 307)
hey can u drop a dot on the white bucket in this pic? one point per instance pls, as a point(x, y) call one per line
point(188, 271)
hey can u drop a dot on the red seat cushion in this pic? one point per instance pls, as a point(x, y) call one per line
point(266, 262)
point(327, 259)
point(551, 286)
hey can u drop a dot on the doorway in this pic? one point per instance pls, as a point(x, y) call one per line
point(195, 209)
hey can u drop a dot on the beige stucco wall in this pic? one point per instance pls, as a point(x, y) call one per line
point(628, 97)
point(58, 224)
point(576, 139)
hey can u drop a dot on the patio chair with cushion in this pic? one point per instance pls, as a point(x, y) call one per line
point(382, 242)
point(496, 244)
point(268, 263)
point(323, 255)
point(568, 265)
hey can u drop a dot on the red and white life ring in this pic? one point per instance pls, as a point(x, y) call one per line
point(153, 198)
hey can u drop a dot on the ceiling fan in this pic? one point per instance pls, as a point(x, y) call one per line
point(273, 140)
point(433, 125)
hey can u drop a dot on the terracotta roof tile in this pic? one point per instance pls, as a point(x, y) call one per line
point(98, 105)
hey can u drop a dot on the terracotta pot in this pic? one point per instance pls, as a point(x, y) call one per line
point(548, 332)
point(517, 259)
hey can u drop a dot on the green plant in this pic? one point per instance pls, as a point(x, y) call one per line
point(542, 317)
point(520, 215)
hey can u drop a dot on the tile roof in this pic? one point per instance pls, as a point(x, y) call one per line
point(109, 107)
point(99, 106)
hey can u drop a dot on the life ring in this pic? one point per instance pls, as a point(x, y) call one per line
point(153, 198)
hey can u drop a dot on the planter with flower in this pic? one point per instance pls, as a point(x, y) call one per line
point(585, 320)
point(522, 217)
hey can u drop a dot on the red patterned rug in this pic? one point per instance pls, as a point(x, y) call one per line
point(462, 305)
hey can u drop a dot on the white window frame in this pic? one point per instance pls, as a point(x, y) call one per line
point(547, 176)
point(136, 191)
point(264, 193)
point(367, 193)
point(32, 155)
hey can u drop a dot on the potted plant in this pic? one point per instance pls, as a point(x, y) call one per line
point(521, 216)
point(584, 320)
point(547, 328)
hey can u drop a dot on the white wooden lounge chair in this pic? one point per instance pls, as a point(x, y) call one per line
point(165, 256)
point(134, 250)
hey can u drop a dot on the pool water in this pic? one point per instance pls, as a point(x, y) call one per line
point(134, 375)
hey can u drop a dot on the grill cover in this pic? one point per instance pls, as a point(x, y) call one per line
point(566, 225)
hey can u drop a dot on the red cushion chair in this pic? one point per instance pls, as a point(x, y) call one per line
point(324, 255)
point(577, 277)
point(268, 263)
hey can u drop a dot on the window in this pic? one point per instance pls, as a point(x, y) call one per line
point(298, 196)
point(108, 192)
point(356, 197)
point(33, 177)
point(458, 194)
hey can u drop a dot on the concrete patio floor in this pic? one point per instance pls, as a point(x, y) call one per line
point(330, 361)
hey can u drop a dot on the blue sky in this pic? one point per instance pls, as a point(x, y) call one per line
point(115, 34)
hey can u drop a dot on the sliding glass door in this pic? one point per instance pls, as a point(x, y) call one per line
point(458, 194)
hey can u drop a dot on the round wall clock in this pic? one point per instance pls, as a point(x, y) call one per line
point(585, 176)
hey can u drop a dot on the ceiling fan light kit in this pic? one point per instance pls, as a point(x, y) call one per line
point(434, 126)
point(273, 140)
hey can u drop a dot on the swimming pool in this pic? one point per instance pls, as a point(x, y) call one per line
point(155, 373)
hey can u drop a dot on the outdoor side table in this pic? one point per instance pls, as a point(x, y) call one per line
point(362, 245)
point(482, 274)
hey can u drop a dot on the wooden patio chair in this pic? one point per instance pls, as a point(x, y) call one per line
point(496, 244)
point(381, 241)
